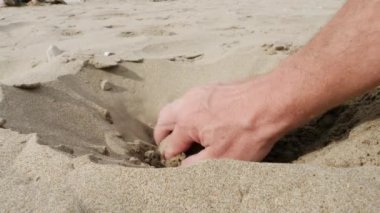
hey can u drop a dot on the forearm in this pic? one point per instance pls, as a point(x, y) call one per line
point(342, 61)
point(243, 120)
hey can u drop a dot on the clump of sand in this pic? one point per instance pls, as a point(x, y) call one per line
point(80, 95)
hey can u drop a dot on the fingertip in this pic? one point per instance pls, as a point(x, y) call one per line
point(174, 144)
point(191, 161)
point(165, 123)
point(174, 149)
point(159, 133)
point(187, 162)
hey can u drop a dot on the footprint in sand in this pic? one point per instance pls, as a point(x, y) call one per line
point(273, 49)
point(70, 32)
point(157, 31)
point(127, 34)
point(230, 44)
point(108, 15)
point(187, 58)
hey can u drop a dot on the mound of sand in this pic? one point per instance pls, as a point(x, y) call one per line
point(78, 123)
point(40, 179)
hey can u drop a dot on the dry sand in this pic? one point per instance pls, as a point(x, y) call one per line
point(78, 123)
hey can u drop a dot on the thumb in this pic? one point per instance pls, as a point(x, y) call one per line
point(175, 143)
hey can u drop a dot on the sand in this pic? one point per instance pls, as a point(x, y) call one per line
point(82, 85)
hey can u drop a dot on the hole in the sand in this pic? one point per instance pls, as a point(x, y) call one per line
point(59, 114)
point(334, 125)
point(194, 149)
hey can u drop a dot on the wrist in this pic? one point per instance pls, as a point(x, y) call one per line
point(270, 111)
point(303, 94)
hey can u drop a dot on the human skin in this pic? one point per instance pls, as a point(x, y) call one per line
point(243, 120)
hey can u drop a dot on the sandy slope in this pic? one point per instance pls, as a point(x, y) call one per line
point(43, 180)
point(161, 49)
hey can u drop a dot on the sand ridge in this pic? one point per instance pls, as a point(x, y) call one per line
point(77, 184)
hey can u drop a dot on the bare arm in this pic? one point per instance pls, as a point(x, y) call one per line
point(244, 120)
point(342, 61)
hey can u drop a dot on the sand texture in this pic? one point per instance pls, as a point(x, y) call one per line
point(81, 86)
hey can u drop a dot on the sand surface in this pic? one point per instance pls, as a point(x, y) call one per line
point(78, 124)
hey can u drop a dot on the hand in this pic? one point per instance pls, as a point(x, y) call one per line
point(243, 120)
point(239, 121)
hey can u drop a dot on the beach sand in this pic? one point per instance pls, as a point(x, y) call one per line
point(82, 85)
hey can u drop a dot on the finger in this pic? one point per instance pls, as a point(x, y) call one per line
point(207, 153)
point(161, 132)
point(175, 143)
point(165, 123)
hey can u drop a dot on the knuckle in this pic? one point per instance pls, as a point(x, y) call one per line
point(164, 111)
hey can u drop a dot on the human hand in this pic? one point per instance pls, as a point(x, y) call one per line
point(239, 121)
